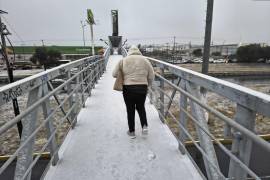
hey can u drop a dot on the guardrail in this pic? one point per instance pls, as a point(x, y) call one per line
point(79, 77)
point(192, 87)
point(106, 55)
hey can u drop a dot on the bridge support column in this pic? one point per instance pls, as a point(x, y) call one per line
point(25, 156)
point(49, 126)
point(205, 140)
point(242, 146)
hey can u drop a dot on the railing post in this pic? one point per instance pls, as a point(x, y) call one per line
point(71, 99)
point(25, 156)
point(104, 66)
point(89, 85)
point(156, 96)
point(91, 79)
point(205, 140)
point(182, 116)
point(93, 76)
point(161, 95)
point(151, 93)
point(80, 80)
point(87, 82)
point(99, 70)
point(77, 99)
point(49, 126)
point(242, 146)
point(96, 72)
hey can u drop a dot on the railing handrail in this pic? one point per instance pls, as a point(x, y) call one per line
point(249, 98)
point(86, 73)
point(12, 122)
point(193, 108)
point(24, 85)
point(256, 139)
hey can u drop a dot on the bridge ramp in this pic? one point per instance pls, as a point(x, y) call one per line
point(99, 148)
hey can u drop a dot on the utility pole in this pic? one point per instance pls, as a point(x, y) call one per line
point(92, 39)
point(9, 69)
point(207, 37)
point(83, 25)
point(173, 49)
point(91, 22)
point(189, 51)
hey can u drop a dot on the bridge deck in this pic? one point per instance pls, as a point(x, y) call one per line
point(99, 148)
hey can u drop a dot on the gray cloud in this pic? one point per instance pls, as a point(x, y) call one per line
point(141, 21)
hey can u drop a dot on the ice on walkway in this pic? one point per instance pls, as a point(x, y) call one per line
point(99, 148)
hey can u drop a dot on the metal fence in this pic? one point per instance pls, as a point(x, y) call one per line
point(79, 78)
point(192, 87)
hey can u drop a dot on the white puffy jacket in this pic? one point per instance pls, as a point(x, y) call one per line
point(136, 68)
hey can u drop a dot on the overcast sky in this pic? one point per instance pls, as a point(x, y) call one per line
point(140, 21)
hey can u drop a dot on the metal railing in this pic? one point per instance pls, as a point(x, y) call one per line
point(124, 52)
point(106, 55)
point(79, 77)
point(192, 87)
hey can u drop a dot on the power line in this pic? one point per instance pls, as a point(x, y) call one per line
point(13, 30)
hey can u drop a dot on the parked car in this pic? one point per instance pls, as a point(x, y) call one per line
point(219, 61)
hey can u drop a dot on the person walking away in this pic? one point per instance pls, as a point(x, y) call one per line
point(138, 74)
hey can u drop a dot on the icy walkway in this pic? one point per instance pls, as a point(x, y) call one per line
point(98, 148)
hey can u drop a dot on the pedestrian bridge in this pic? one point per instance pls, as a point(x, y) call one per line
point(97, 146)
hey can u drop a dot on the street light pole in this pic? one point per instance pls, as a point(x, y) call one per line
point(92, 39)
point(91, 22)
point(83, 25)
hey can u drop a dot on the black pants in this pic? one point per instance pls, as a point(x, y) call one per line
point(134, 97)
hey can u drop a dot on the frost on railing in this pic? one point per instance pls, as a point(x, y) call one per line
point(179, 96)
point(49, 103)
